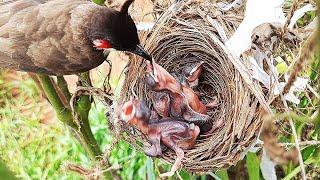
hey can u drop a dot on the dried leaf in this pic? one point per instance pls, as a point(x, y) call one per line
point(313, 25)
point(226, 7)
point(145, 26)
point(298, 86)
point(258, 73)
point(267, 167)
point(299, 13)
point(257, 12)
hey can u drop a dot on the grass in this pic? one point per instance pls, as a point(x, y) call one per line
point(34, 150)
point(31, 149)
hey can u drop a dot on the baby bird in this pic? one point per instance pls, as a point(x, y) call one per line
point(191, 74)
point(174, 133)
point(190, 79)
point(194, 101)
point(161, 103)
point(182, 99)
point(158, 79)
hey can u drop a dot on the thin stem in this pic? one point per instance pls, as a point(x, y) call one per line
point(63, 85)
point(317, 56)
point(82, 109)
point(63, 113)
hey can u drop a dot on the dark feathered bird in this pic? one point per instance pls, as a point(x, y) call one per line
point(59, 37)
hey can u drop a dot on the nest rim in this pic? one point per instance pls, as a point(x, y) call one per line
point(190, 35)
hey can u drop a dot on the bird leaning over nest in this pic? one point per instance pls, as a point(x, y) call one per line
point(58, 37)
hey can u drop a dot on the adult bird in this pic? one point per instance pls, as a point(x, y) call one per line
point(58, 37)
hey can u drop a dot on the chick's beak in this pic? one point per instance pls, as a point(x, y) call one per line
point(141, 52)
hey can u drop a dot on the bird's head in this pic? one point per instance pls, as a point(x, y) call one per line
point(192, 73)
point(158, 79)
point(116, 30)
point(134, 110)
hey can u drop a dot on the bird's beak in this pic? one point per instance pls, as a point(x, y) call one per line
point(141, 52)
point(167, 81)
point(195, 73)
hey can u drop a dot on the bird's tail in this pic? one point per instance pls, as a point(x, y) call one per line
point(125, 6)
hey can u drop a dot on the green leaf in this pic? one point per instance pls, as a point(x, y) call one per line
point(223, 174)
point(303, 102)
point(282, 67)
point(308, 151)
point(5, 172)
point(150, 169)
point(295, 172)
point(100, 2)
point(253, 166)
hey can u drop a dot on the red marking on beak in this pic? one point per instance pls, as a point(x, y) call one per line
point(101, 44)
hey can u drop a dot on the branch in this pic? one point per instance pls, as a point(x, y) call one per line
point(304, 56)
point(294, 132)
point(82, 108)
point(63, 114)
point(63, 85)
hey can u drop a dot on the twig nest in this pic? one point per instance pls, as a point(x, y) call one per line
point(189, 33)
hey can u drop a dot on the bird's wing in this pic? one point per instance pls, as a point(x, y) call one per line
point(12, 51)
point(38, 36)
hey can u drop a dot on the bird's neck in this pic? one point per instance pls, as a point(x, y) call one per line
point(101, 23)
point(143, 126)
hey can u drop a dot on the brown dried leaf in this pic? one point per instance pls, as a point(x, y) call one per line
point(274, 150)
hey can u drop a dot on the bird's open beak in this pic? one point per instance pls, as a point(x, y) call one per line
point(128, 111)
point(195, 73)
point(141, 52)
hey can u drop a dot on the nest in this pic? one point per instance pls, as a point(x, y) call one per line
point(188, 33)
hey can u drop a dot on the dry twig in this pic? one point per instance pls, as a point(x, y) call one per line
point(293, 8)
point(305, 53)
